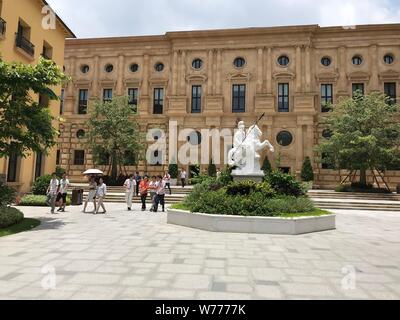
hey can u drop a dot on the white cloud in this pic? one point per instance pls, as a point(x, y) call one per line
point(98, 18)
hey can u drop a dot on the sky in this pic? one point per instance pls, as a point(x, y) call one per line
point(105, 18)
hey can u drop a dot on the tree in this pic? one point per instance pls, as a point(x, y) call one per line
point(26, 125)
point(307, 173)
point(212, 170)
point(114, 131)
point(173, 170)
point(266, 167)
point(365, 134)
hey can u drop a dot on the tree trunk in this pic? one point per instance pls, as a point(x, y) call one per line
point(114, 167)
point(363, 177)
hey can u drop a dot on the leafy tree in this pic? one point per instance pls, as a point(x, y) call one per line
point(26, 125)
point(365, 134)
point(113, 130)
point(173, 170)
point(212, 169)
point(307, 173)
point(266, 167)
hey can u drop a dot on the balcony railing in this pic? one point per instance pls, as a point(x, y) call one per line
point(25, 44)
point(3, 25)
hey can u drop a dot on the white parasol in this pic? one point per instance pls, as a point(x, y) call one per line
point(93, 172)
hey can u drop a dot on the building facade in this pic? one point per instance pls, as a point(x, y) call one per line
point(24, 39)
point(213, 79)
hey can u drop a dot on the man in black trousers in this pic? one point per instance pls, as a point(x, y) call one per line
point(138, 178)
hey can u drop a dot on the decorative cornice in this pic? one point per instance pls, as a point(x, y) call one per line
point(389, 75)
point(196, 78)
point(108, 83)
point(327, 76)
point(358, 76)
point(242, 76)
point(83, 83)
point(283, 75)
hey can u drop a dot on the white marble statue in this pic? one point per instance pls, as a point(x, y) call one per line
point(244, 154)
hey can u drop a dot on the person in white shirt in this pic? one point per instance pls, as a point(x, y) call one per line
point(160, 194)
point(167, 179)
point(101, 193)
point(91, 194)
point(52, 192)
point(130, 189)
point(62, 192)
point(183, 177)
point(152, 191)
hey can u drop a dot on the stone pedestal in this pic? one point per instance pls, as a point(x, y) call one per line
point(256, 177)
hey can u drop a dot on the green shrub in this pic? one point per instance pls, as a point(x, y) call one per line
point(285, 184)
point(10, 216)
point(36, 201)
point(241, 188)
point(266, 189)
point(266, 167)
point(307, 173)
point(212, 169)
point(173, 170)
point(226, 176)
point(199, 179)
point(41, 184)
point(59, 172)
point(7, 195)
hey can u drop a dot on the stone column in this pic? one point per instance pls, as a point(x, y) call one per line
point(298, 69)
point(374, 81)
point(210, 73)
point(72, 67)
point(95, 85)
point(174, 73)
point(260, 54)
point(120, 75)
point(308, 70)
point(183, 74)
point(310, 141)
point(219, 67)
point(145, 85)
point(299, 147)
point(269, 71)
point(342, 66)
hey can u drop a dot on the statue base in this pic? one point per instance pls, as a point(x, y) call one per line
point(255, 176)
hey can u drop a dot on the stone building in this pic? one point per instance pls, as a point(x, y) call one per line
point(213, 79)
point(24, 39)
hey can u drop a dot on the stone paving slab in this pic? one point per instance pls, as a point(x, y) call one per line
point(137, 255)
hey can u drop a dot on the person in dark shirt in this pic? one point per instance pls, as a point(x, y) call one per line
point(138, 178)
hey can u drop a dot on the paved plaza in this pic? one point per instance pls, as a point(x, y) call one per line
point(136, 255)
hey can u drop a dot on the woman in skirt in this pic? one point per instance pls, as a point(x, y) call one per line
point(91, 195)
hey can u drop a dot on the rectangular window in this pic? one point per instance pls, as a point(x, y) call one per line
point(38, 165)
point(196, 99)
point(239, 98)
point(133, 94)
point(12, 167)
point(283, 97)
point(158, 104)
point(107, 95)
point(390, 91)
point(326, 97)
point(62, 102)
point(358, 87)
point(58, 158)
point(22, 39)
point(79, 157)
point(83, 101)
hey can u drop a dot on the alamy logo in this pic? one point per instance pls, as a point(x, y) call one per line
point(49, 281)
point(49, 19)
point(349, 280)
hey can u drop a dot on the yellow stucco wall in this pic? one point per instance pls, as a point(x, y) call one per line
point(30, 12)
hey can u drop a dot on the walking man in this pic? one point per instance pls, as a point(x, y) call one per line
point(101, 194)
point(167, 179)
point(183, 177)
point(62, 194)
point(52, 192)
point(160, 194)
point(130, 189)
point(138, 178)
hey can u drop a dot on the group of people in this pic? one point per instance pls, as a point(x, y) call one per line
point(97, 191)
point(57, 192)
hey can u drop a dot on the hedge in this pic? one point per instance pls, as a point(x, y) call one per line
point(10, 216)
point(36, 201)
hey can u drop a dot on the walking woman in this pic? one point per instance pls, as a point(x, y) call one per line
point(167, 179)
point(101, 193)
point(143, 190)
point(91, 195)
point(160, 194)
point(152, 190)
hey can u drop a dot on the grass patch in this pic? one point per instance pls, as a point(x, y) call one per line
point(24, 225)
point(315, 213)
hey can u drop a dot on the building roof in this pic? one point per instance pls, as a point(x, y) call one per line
point(67, 30)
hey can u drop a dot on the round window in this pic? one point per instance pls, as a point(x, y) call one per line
point(283, 61)
point(134, 67)
point(85, 68)
point(389, 59)
point(239, 62)
point(284, 138)
point(80, 134)
point(326, 61)
point(159, 67)
point(357, 60)
point(109, 68)
point(194, 138)
point(197, 64)
point(327, 134)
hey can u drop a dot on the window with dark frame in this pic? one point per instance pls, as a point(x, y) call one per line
point(12, 167)
point(358, 87)
point(283, 97)
point(158, 103)
point(62, 102)
point(79, 157)
point(58, 157)
point(390, 91)
point(107, 95)
point(196, 99)
point(197, 64)
point(133, 94)
point(38, 165)
point(326, 96)
point(83, 101)
point(239, 98)
point(239, 62)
